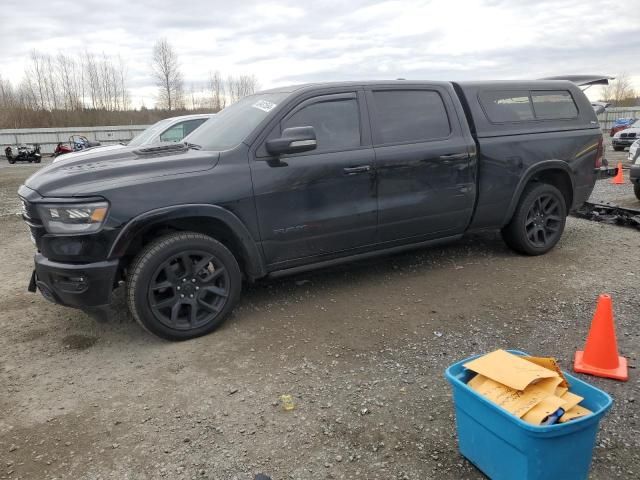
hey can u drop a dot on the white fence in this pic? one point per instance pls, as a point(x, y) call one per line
point(48, 138)
point(607, 118)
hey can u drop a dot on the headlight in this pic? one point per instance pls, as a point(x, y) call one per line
point(73, 218)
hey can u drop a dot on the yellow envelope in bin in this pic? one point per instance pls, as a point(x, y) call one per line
point(510, 370)
point(531, 388)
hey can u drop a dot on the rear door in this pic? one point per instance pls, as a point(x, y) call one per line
point(320, 202)
point(425, 163)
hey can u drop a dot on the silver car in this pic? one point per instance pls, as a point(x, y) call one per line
point(172, 129)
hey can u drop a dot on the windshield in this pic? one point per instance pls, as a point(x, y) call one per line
point(231, 126)
point(150, 133)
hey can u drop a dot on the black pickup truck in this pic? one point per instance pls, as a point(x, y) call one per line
point(302, 177)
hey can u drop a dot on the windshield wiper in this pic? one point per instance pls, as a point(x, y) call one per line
point(193, 146)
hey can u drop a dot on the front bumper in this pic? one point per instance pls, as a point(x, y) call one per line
point(75, 285)
point(623, 142)
point(634, 173)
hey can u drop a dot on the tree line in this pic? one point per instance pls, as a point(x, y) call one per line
point(88, 90)
point(620, 92)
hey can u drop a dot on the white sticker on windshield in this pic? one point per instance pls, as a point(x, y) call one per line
point(264, 105)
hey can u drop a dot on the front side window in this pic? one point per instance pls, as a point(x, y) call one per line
point(553, 105)
point(173, 134)
point(180, 130)
point(149, 134)
point(507, 106)
point(410, 116)
point(336, 123)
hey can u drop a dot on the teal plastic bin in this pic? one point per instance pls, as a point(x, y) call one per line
point(507, 448)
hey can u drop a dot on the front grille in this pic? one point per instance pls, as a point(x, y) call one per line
point(627, 135)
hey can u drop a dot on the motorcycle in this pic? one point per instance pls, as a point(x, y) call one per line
point(24, 154)
point(75, 144)
point(61, 149)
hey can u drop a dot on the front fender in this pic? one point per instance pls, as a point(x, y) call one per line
point(254, 262)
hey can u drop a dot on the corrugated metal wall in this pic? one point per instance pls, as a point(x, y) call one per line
point(48, 138)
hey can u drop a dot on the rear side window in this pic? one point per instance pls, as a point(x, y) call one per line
point(507, 106)
point(336, 122)
point(410, 116)
point(553, 105)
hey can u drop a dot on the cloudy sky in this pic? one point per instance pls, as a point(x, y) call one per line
point(289, 41)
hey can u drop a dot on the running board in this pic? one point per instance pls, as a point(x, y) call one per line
point(362, 256)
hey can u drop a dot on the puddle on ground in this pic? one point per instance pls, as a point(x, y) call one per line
point(79, 342)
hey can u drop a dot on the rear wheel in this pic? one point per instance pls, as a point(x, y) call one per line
point(538, 222)
point(183, 285)
point(636, 190)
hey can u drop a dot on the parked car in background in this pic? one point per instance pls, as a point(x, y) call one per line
point(634, 151)
point(622, 124)
point(634, 175)
point(304, 177)
point(172, 129)
point(626, 137)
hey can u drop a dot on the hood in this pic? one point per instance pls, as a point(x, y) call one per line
point(97, 171)
point(87, 151)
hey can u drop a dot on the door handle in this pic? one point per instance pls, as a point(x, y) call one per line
point(454, 156)
point(356, 170)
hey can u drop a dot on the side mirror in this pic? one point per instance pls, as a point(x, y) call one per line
point(293, 140)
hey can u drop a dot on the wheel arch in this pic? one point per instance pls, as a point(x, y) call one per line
point(211, 220)
point(553, 172)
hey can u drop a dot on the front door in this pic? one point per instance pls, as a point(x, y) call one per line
point(321, 203)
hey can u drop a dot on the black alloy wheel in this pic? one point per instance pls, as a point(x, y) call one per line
point(543, 220)
point(183, 285)
point(188, 290)
point(538, 221)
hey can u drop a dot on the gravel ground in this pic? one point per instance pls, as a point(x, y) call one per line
point(361, 348)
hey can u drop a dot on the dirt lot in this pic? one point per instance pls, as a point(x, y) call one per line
point(361, 348)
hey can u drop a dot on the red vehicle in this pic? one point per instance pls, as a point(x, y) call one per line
point(76, 143)
point(623, 124)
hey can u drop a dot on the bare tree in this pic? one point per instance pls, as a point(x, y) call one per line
point(166, 72)
point(216, 86)
point(241, 86)
point(619, 92)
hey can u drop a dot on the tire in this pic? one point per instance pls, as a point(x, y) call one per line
point(178, 274)
point(636, 190)
point(538, 221)
point(12, 162)
point(618, 149)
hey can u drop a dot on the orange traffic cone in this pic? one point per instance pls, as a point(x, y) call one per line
point(600, 356)
point(619, 178)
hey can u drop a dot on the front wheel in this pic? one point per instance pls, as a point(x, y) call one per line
point(538, 221)
point(636, 190)
point(183, 285)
